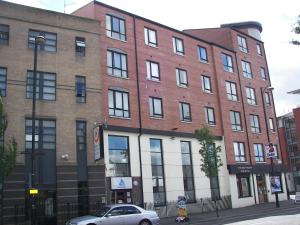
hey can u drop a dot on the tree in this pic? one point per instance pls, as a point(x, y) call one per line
point(210, 158)
point(296, 30)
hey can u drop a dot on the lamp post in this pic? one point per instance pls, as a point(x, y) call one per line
point(263, 91)
point(37, 41)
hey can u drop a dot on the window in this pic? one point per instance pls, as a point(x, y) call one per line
point(231, 91)
point(263, 73)
point(45, 133)
point(271, 124)
point(187, 169)
point(202, 54)
point(178, 46)
point(150, 37)
point(158, 177)
point(119, 155)
point(115, 27)
point(235, 118)
point(267, 99)
point(254, 124)
point(118, 103)
point(156, 108)
point(242, 44)
point(210, 115)
point(250, 94)
point(81, 135)
point(259, 152)
point(227, 62)
point(243, 185)
point(3, 78)
point(247, 69)
point(239, 151)
point(80, 88)
point(258, 48)
point(185, 112)
point(181, 77)
point(45, 85)
point(80, 46)
point(206, 84)
point(50, 40)
point(4, 34)
point(117, 64)
point(153, 71)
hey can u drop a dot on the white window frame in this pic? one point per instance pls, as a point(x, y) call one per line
point(150, 37)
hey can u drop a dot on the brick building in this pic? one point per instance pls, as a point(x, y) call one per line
point(289, 136)
point(147, 87)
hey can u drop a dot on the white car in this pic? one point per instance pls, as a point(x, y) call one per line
point(119, 214)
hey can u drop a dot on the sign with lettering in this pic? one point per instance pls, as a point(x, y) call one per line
point(121, 183)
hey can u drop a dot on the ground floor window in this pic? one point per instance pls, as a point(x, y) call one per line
point(243, 185)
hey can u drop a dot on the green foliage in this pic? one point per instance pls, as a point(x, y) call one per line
point(8, 150)
point(296, 30)
point(210, 153)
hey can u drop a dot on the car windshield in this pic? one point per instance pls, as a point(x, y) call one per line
point(102, 211)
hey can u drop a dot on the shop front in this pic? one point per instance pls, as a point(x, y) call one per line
point(121, 190)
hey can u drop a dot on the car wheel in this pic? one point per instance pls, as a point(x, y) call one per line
point(145, 222)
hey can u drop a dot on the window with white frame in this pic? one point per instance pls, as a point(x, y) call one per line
point(247, 69)
point(118, 102)
point(263, 73)
point(258, 49)
point(156, 107)
point(206, 84)
point(235, 119)
point(178, 46)
point(254, 123)
point(227, 62)
point(250, 94)
point(115, 27)
point(152, 71)
point(150, 37)
point(239, 151)
point(259, 152)
point(202, 54)
point(185, 112)
point(242, 44)
point(271, 124)
point(210, 115)
point(117, 64)
point(181, 77)
point(231, 91)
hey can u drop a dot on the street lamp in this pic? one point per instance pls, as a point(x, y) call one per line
point(38, 40)
point(263, 91)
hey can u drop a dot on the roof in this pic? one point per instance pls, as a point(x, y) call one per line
point(246, 24)
point(294, 92)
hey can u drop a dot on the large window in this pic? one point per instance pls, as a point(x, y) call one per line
point(259, 152)
point(117, 64)
point(239, 151)
point(267, 99)
point(247, 69)
point(115, 27)
point(242, 44)
point(263, 73)
point(227, 62)
point(50, 40)
point(45, 85)
point(178, 46)
point(185, 112)
point(153, 71)
point(235, 119)
point(243, 185)
point(206, 84)
point(118, 102)
point(271, 124)
point(3, 78)
point(250, 94)
point(210, 116)
point(202, 54)
point(119, 155)
point(231, 91)
point(187, 169)
point(156, 108)
point(81, 135)
point(181, 77)
point(4, 34)
point(80, 46)
point(150, 37)
point(158, 177)
point(80, 88)
point(254, 123)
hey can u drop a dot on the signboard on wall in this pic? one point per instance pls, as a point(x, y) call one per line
point(275, 184)
point(121, 183)
point(97, 143)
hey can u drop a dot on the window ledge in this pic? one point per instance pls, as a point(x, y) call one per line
point(157, 81)
point(204, 62)
point(156, 118)
point(125, 41)
point(260, 162)
point(180, 54)
point(182, 86)
point(241, 162)
point(118, 117)
point(112, 75)
point(207, 92)
point(152, 46)
point(185, 121)
point(211, 125)
point(228, 71)
point(241, 131)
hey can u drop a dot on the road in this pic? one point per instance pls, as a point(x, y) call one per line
point(272, 220)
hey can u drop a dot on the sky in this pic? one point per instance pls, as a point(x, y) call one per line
point(277, 18)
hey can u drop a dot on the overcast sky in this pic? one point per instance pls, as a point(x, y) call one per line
point(276, 17)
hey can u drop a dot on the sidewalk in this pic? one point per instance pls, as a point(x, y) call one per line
point(235, 215)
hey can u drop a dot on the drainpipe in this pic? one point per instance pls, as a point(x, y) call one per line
point(139, 108)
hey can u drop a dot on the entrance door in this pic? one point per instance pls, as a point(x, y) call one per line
point(261, 188)
point(121, 196)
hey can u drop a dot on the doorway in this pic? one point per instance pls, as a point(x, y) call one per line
point(261, 188)
point(121, 196)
